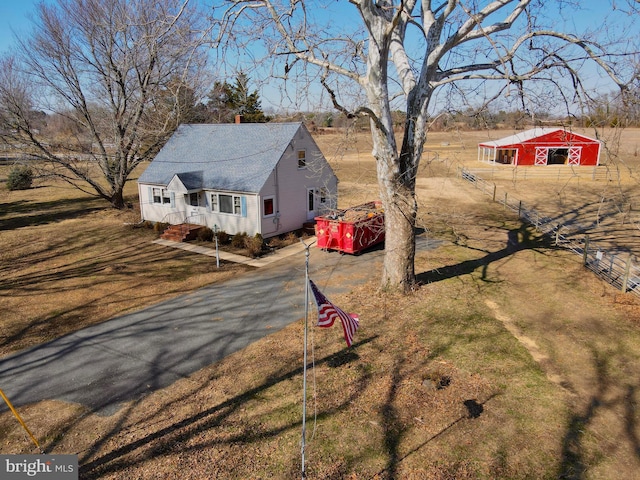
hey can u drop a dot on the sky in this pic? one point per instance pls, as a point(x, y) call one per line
point(13, 17)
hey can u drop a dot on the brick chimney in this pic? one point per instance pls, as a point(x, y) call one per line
point(239, 119)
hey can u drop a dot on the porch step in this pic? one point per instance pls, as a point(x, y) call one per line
point(181, 233)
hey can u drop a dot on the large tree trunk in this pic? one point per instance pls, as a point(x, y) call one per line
point(398, 200)
point(400, 215)
point(117, 200)
point(395, 183)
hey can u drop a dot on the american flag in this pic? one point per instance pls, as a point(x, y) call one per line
point(328, 313)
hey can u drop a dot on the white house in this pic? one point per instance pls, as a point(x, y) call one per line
point(266, 178)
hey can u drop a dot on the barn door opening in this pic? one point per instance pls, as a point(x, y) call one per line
point(558, 156)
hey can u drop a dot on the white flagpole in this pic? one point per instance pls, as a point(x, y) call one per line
point(304, 368)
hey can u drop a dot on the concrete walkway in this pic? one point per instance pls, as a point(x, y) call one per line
point(276, 256)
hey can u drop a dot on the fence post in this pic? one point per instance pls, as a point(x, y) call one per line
point(558, 234)
point(520, 209)
point(494, 192)
point(505, 200)
point(586, 250)
point(625, 278)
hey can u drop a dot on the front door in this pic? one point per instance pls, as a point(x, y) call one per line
point(195, 214)
point(311, 203)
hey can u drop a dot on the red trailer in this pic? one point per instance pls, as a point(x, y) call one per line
point(351, 230)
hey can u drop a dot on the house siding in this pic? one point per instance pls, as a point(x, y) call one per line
point(258, 163)
point(231, 223)
point(289, 185)
point(167, 213)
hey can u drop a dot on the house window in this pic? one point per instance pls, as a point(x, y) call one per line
point(225, 203)
point(194, 199)
point(302, 158)
point(161, 196)
point(267, 207)
point(323, 195)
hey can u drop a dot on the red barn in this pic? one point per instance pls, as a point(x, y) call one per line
point(542, 146)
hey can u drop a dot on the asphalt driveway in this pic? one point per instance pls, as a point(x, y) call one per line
point(120, 360)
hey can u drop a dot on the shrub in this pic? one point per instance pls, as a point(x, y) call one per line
point(254, 245)
point(238, 240)
point(20, 178)
point(223, 238)
point(205, 234)
point(291, 238)
point(160, 227)
point(283, 240)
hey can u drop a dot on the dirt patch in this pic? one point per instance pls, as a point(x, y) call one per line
point(530, 344)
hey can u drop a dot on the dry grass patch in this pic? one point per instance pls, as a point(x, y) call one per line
point(68, 261)
point(376, 413)
point(436, 386)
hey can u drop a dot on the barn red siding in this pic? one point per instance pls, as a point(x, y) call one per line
point(562, 139)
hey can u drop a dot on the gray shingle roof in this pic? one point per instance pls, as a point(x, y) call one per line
point(235, 157)
point(191, 180)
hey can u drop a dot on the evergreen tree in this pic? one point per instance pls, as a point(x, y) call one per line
point(225, 101)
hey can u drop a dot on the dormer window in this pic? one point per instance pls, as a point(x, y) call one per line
point(302, 158)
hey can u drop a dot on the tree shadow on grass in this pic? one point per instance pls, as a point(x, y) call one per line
point(523, 238)
point(392, 437)
point(574, 461)
point(175, 436)
point(103, 268)
point(28, 214)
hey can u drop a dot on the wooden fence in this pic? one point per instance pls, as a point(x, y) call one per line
point(558, 173)
point(620, 272)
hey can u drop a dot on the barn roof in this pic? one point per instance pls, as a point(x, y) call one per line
point(528, 135)
point(234, 157)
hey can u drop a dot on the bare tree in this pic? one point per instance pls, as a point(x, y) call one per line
point(122, 74)
point(406, 53)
